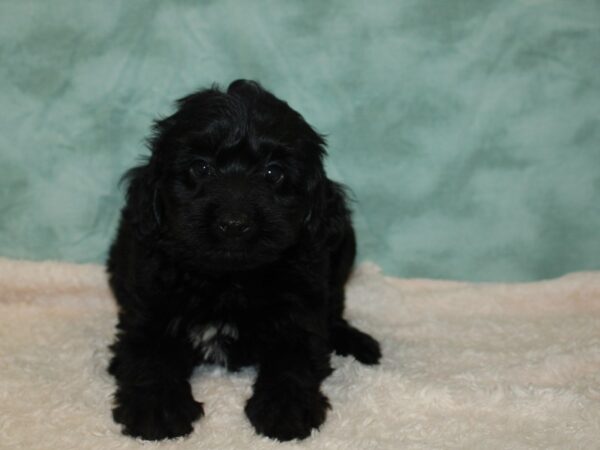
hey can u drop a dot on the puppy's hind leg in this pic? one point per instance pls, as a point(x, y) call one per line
point(344, 338)
point(347, 340)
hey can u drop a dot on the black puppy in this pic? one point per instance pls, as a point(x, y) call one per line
point(233, 248)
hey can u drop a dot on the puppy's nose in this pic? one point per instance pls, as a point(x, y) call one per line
point(234, 224)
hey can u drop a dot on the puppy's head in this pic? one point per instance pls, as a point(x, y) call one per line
point(234, 179)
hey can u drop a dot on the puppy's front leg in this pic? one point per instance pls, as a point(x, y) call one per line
point(287, 402)
point(153, 398)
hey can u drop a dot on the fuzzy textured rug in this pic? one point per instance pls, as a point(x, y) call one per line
point(465, 366)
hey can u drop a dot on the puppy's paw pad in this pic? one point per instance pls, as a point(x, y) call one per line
point(287, 417)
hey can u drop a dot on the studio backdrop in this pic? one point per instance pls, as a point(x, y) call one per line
point(467, 130)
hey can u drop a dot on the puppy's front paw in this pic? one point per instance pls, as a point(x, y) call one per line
point(156, 413)
point(287, 415)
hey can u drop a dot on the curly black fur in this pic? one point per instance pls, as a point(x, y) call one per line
point(233, 248)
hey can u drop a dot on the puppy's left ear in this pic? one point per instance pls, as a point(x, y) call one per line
point(329, 214)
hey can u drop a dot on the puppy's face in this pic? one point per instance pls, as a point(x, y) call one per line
point(236, 178)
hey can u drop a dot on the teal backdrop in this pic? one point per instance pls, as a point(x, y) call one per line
point(468, 130)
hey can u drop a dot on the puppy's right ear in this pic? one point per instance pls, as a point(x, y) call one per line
point(142, 208)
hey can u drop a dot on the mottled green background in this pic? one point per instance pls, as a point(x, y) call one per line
point(469, 130)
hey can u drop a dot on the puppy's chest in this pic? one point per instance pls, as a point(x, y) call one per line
point(214, 340)
point(216, 330)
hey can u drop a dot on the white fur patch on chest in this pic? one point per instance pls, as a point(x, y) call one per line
point(212, 340)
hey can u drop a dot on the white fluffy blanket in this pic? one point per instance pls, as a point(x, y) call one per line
point(465, 366)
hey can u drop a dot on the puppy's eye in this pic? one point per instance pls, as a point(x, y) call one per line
point(201, 169)
point(274, 173)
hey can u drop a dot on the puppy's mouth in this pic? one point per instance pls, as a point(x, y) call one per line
point(230, 259)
